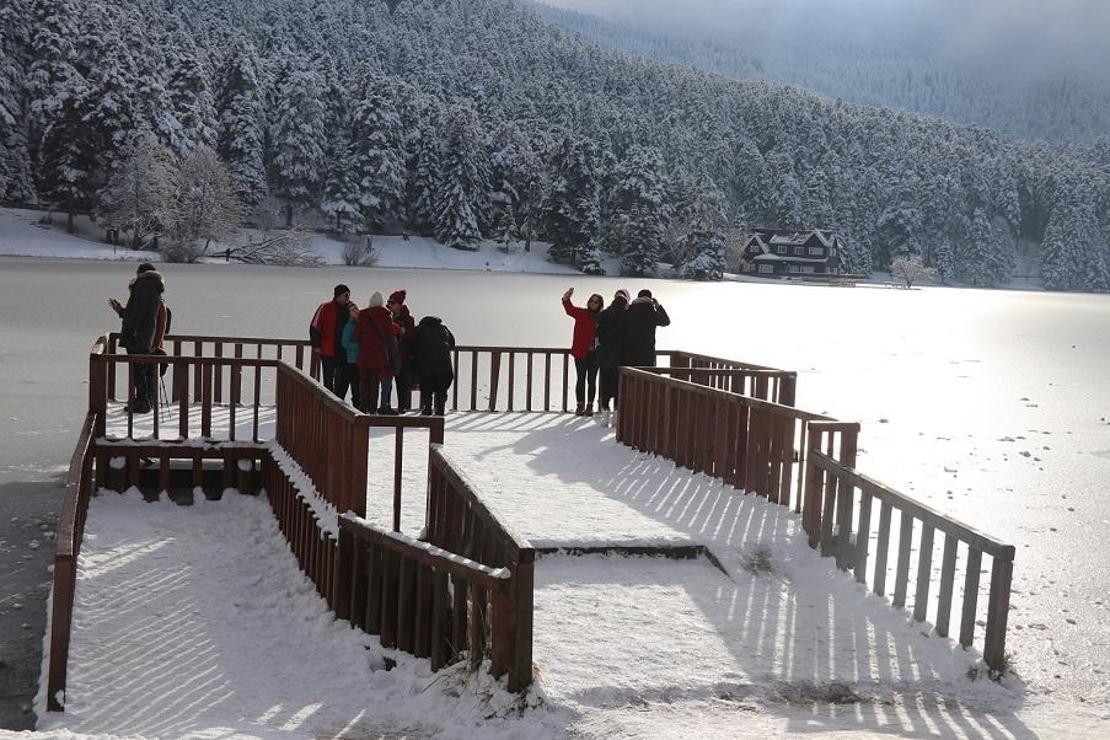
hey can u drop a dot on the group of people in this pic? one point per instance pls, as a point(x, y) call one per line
point(370, 351)
point(606, 338)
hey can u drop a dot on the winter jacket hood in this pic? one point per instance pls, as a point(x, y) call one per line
point(140, 315)
point(432, 343)
point(641, 320)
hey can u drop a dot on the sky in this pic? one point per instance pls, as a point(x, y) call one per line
point(1029, 38)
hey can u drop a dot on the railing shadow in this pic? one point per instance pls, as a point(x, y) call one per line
point(802, 623)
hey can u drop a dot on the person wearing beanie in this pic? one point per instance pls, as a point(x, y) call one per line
point(644, 315)
point(403, 318)
point(145, 322)
point(584, 349)
point(325, 332)
point(378, 356)
point(610, 349)
point(432, 343)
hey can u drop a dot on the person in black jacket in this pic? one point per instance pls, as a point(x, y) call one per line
point(610, 350)
point(140, 326)
point(643, 316)
point(431, 346)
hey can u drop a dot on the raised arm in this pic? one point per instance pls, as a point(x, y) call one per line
point(661, 317)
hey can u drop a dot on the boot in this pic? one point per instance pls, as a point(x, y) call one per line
point(580, 410)
point(589, 410)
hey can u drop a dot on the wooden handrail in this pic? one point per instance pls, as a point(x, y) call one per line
point(832, 524)
point(67, 547)
point(947, 524)
point(495, 579)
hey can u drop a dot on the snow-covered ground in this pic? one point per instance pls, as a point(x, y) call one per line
point(22, 234)
point(180, 609)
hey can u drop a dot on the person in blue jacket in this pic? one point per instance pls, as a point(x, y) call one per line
point(346, 372)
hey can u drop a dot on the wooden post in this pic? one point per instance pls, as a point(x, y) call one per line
point(998, 608)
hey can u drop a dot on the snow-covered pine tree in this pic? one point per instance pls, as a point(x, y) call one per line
point(979, 259)
point(639, 199)
point(642, 236)
point(342, 192)
point(944, 261)
point(702, 236)
point(463, 183)
point(192, 101)
point(15, 165)
point(241, 124)
point(573, 202)
point(297, 138)
point(423, 166)
point(378, 158)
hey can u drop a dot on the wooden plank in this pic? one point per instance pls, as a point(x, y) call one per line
point(947, 578)
point(439, 652)
point(523, 590)
point(344, 571)
point(547, 381)
point(422, 624)
point(883, 548)
point(512, 379)
point(374, 580)
point(902, 573)
point(459, 614)
point(528, 382)
point(845, 516)
point(924, 574)
point(398, 472)
point(494, 378)
point(457, 383)
point(476, 623)
point(566, 382)
point(406, 603)
point(206, 403)
point(218, 369)
point(473, 381)
point(863, 536)
point(971, 596)
point(998, 609)
point(389, 598)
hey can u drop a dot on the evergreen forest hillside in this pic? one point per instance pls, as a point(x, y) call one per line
point(480, 119)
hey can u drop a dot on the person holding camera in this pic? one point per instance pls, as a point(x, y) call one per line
point(643, 316)
point(145, 320)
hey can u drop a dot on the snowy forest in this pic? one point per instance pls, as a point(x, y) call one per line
point(481, 120)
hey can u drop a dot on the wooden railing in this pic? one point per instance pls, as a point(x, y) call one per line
point(458, 521)
point(71, 528)
point(776, 386)
point(840, 518)
point(754, 445)
point(291, 351)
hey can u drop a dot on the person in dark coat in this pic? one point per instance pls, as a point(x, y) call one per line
point(583, 349)
point(610, 350)
point(376, 332)
point(143, 317)
point(431, 345)
point(326, 331)
point(644, 315)
point(403, 318)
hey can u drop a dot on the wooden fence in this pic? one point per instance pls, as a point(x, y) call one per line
point(751, 444)
point(458, 521)
point(840, 518)
point(67, 547)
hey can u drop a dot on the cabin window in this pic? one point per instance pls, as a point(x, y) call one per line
point(767, 269)
point(816, 251)
point(795, 268)
point(799, 251)
point(807, 269)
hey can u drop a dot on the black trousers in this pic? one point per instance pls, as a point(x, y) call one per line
point(404, 392)
point(346, 376)
point(433, 393)
point(586, 368)
point(328, 366)
point(610, 379)
point(144, 379)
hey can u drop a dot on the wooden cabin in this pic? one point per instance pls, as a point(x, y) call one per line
point(792, 252)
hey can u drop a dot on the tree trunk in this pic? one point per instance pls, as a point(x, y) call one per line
point(69, 218)
point(289, 216)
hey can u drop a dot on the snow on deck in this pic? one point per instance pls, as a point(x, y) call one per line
point(776, 641)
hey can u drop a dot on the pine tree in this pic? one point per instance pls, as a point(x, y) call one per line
point(642, 236)
point(463, 183)
point(379, 159)
point(15, 165)
point(421, 188)
point(573, 203)
point(342, 191)
point(241, 117)
point(192, 102)
point(297, 138)
point(641, 212)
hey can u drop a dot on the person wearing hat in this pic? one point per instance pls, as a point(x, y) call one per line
point(644, 315)
point(378, 356)
point(403, 318)
point(610, 350)
point(145, 319)
point(326, 330)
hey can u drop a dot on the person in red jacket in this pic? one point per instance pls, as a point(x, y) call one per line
point(582, 349)
point(325, 333)
point(403, 318)
point(378, 356)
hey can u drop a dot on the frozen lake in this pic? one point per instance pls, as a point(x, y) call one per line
point(992, 406)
